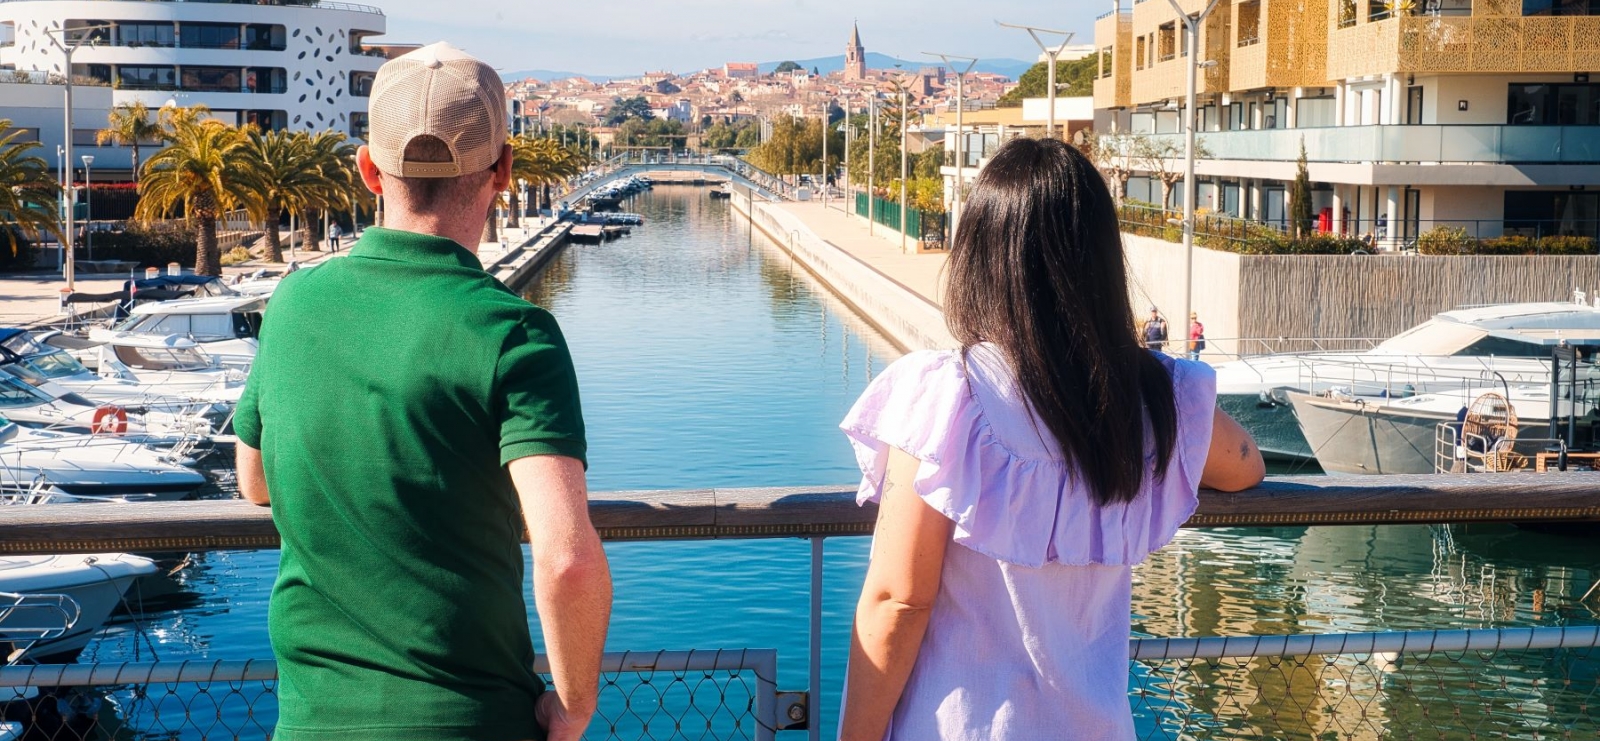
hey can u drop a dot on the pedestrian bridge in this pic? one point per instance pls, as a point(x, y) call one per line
point(736, 170)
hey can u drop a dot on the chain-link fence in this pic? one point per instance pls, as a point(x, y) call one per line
point(1529, 683)
point(709, 695)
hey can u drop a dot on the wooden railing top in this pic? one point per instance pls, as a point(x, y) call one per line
point(802, 512)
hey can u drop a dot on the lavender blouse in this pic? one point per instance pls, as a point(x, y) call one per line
point(1028, 638)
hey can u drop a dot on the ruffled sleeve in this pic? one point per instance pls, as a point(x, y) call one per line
point(1024, 510)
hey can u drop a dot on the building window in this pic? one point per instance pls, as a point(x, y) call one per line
point(146, 34)
point(1571, 104)
point(209, 36)
point(1106, 62)
point(265, 120)
point(1250, 23)
point(1561, 7)
point(1347, 13)
point(1167, 36)
point(358, 126)
point(1139, 52)
point(132, 77)
point(8, 33)
point(25, 135)
point(1378, 10)
point(1549, 213)
point(264, 37)
point(88, 32)
point(361, 84)
point(212, 79)
point(266, 80)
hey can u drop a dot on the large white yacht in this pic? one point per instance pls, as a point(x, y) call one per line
point(38, 466)
point(1477, 346)
point(51, 606)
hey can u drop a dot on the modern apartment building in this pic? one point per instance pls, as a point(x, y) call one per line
point(1413, 113)
point(295, 65)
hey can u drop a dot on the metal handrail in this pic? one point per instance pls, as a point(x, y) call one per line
point(819, 512)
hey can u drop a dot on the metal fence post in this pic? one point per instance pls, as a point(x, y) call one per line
point(814, 704)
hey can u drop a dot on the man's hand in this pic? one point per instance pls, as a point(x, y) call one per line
point(571, 585)
point(557, 723)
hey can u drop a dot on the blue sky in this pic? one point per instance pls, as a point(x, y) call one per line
point(621, 37)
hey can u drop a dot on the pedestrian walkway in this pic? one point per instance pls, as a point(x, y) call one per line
point(922, 274)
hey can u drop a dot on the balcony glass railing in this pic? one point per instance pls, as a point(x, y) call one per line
point(1425, 144)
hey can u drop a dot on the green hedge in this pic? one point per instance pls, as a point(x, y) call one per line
point(1226, 234)
point(152, 245)
point(1452, 240)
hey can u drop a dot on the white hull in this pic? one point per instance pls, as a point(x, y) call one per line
point(1364, 437)
point(94, 582)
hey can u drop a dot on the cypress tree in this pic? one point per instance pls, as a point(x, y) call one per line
point(1302, 221)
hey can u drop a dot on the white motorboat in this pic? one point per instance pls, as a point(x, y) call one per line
point(38, 466)
point(1372, 434)
point(35, 351)
point(67, 598)
point(224, 328)
point(33, 401)
point(173, 365)
point(1453, 349)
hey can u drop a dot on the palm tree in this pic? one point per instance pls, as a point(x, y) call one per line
point(541, 163)
point(203, 172)
point(130, 124)
point(28, 190)
point(340, 189)
point(171, 118)
point(288, 175)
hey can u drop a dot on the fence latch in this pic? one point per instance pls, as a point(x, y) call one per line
point(794, 710)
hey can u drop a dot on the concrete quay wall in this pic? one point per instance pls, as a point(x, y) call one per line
point(904, 316)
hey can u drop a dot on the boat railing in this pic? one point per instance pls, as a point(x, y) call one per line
point(1440, 683)
point(30, 619)
point(1251, 347)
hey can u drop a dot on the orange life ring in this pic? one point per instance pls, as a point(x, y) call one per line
point(109, 420)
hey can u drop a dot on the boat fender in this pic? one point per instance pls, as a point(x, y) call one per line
point(109, 420)
point(1265, 401)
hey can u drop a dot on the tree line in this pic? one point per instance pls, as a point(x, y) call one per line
point(205, 168)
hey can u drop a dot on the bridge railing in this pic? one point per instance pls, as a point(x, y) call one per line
point(1497, 683)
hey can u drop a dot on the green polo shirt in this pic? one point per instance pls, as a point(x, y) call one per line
point(391, 388)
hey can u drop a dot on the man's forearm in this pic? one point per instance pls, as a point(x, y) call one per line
point(572, 590)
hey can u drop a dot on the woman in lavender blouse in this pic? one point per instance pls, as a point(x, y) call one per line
point(1020, 478)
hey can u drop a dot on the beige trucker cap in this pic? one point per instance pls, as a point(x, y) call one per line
point(439, 91)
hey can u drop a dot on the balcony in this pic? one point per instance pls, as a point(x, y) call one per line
point(1500, 145)
point(1465, 44)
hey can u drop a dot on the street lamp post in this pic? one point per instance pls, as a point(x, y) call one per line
point(825, 106)
point(904, 168)
point(88, 205)
point(1051, 53)
point(1191, 26)
point(961, 104)
point(872, 159)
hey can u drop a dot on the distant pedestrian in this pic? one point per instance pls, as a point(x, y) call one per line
point(1020, 478)
point(1197, 336)
point(444, 424)
point(334, 233)
point(1154, 331)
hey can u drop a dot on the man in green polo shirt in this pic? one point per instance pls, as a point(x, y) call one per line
point(408, 415)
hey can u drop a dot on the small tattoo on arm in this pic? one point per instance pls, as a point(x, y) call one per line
point(1244, 450)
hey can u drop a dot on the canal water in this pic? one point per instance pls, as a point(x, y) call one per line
point(707, 358)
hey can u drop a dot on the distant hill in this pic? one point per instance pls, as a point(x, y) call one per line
point(550, 75)
point(1012, 68)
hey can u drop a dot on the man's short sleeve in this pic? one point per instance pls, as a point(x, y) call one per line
point(536, 393)
point(247, 414)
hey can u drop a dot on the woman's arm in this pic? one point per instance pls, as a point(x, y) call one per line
point(1234, 462)
point(902, 582)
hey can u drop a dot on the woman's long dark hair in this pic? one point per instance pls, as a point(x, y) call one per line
point(1037, 268)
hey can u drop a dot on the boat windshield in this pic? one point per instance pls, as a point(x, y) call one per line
point(200, 327)
point(162, 359)
point(56, 364)
point(1433, 337)
point(24, 344)
point(16, 393)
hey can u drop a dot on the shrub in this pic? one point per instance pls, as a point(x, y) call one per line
point(1512, 245)
point(150, 245)
point(1445, 240)
point(1567, 245)
point(23, 260)
point(235, 256)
